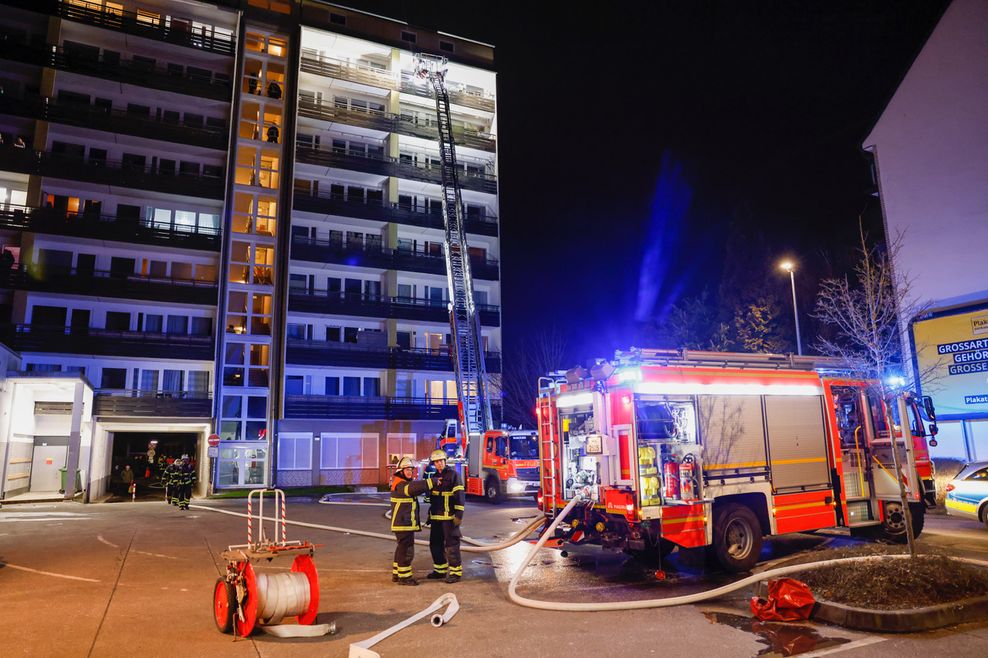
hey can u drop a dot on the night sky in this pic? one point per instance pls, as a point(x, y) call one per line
point(760, 106)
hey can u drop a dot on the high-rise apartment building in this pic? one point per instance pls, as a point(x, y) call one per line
point(225, 218)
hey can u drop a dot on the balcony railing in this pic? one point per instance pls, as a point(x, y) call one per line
point(342, 70)
point(105, 227)
point(383, 166)
point(113, 284)
point(383, 408)
point(197, 82)
point(177, 30)
point(379, 306)
point(332, 353)
point(334, 204)
point(115, 121)
point(458, 94)
point(375, 255)
point(154, 404)
point(394, 123)
point(109, 172)
point(106, 342)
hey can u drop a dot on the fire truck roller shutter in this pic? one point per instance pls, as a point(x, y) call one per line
point(732, 434)
point(797, 442)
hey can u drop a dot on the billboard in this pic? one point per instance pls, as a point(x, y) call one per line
point(951, 351)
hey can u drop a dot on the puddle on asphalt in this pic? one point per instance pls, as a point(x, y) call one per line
point(779, 639)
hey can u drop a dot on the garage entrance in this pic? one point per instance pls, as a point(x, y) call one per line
point(132, 448)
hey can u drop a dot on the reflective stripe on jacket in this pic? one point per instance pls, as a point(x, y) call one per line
point(405, 504)
point(447, 497)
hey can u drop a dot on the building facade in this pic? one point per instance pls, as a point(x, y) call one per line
point(930, 148)
point(227, 218)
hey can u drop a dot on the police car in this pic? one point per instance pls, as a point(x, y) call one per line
point(967, 494)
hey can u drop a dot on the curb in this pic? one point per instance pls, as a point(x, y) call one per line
point(902, 621)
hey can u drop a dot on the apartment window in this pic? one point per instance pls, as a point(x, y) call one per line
point(172, 381)
point(294, 384)
point(49, 316)
point(199, 381)
point(117, 321)
point(294, 451)
point(372, 387)
point(332, 386)
point(350, 334)
point(153, 323)
point(348, 451)
point(149, 380)
point(351, 386)
point(337, 19)
point(133, 161)
point(202, 327)
point(333, 334)
point(446, 46)
point(408, 36)
point(188, 168)
point(178, 324)
point(97, 157)
point(232, 406)
point(257, 406)
point(113, 378)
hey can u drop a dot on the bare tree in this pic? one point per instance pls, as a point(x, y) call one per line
point(870, 316)
point(539, 354)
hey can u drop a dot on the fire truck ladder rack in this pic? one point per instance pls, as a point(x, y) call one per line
point(684, 357)
point(468, 362)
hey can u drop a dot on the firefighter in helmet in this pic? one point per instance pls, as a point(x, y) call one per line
point(186, 478)
point(445, 516)
point(405, 518)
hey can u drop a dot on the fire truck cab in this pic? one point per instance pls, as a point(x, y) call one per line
point(495, 464)
point(706, 449)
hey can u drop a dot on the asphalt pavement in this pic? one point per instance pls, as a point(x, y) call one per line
point(137, 578)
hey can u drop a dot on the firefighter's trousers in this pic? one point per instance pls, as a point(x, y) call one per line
point(404, 551)
point(444, 543)
point(184, 495)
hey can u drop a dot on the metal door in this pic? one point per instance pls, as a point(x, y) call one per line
point(48, 459)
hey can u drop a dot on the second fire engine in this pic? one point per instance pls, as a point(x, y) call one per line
point(718, 450)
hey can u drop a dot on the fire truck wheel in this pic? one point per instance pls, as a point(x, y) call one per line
point(737, 538)
point(918, 511)
point(224, 605)
point(492, 490)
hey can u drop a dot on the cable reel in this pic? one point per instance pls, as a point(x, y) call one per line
point(244, 598)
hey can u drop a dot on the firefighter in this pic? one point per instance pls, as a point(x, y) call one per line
point(170, 478)
point(445, 516)
point(405, 518)
point(186, 478)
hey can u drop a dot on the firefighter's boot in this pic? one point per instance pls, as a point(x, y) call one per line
point(451, 579)
point(408, 582)
point(435, 575)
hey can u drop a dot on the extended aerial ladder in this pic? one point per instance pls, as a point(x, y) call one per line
point(468, 353)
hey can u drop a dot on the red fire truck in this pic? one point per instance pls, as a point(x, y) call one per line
point(498, 463)
point(706, 449)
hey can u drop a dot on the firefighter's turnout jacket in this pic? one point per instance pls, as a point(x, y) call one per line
point(447, 496)
point(405, 504)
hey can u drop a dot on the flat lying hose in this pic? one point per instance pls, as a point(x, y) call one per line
point(674, 600)
point(485, 548)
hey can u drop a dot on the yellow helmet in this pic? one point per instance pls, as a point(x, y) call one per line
point(404, 462)
point(437, 455)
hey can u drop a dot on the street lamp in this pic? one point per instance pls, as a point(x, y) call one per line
point(789, 266)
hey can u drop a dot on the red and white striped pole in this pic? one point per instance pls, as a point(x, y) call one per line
point(133, 491)
point(284, 525)
point(250, 522)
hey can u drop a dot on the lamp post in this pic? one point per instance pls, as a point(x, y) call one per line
point(789, 266)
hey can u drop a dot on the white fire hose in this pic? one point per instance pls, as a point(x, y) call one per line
point(436, 618)
point(613, 605)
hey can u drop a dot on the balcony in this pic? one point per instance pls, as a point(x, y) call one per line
point(343, 160)
point(379, 306)
point(382, 408)
point(313, 62)
point(334, 204)
point(105, 342)
point(115, 121)
point(179, 31)
point(109, 172)
point(405, 257)
point(330, 112)
point(152, 404)
point(112, 284)
point(458, 94)
point(404, 124)
point(331, 353)
point(197, 82)
point(104, 227)
point(469, 179)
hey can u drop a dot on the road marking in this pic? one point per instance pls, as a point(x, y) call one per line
point(864, 642)
point(100, 538)
point(48, 573)
point(45, 514)
point(170, 557)
point(46, 520)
